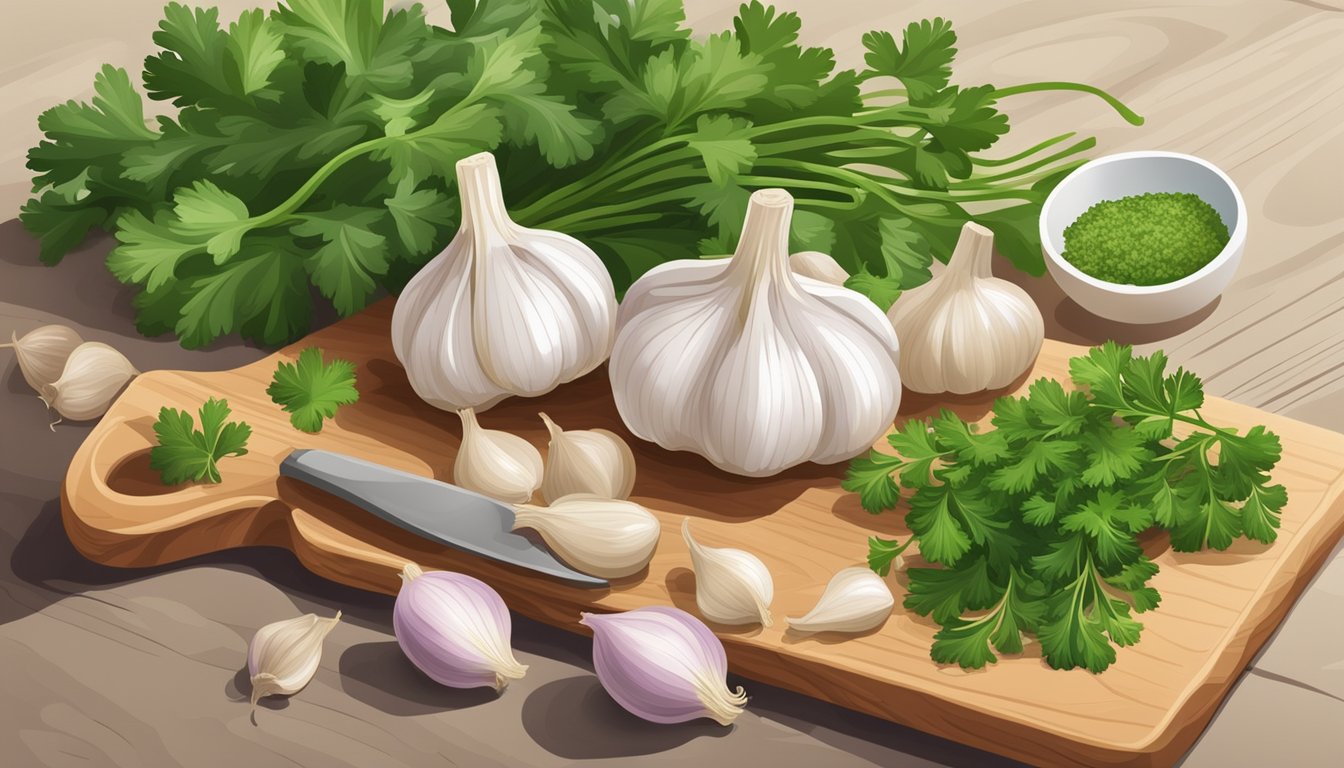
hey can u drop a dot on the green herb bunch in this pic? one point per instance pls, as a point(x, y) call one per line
point(313, 150)
point(1032, 527)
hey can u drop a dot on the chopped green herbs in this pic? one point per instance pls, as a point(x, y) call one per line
point(186, 453)
point(1031, 527)
point(313, 148)
point(1150, 239)
point(311, 391)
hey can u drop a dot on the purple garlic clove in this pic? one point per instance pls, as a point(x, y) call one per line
point(455, 628)
point(664, 665)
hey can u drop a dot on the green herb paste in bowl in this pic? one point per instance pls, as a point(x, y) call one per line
point(1148, 239)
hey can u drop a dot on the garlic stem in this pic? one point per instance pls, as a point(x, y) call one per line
point(763, 252)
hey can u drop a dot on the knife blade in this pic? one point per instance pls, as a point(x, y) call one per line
point(429, 508)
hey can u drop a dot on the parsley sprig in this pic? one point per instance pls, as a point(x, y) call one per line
point(186, 453)
point(1032, 527)
point(310, 391)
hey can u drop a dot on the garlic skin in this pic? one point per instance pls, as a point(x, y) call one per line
point(42, 353)
point(495, 463)
point(595, 461)
point(455, 629)
point(93, 377)
point(610, 538)
point(855, 600)
point(283, 656)
point(966, 331)
point(663, 665)
point(818, 266)
point(503, 310)
point(732, 586)
point(753, 367)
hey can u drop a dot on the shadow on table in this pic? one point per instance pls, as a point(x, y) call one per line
point(380, 675)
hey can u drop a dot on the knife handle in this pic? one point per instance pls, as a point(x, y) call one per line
point(367, 485)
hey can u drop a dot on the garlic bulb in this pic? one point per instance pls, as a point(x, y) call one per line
point(42, 353)
point(664, 665)
point(283, 656)
point(750, 366)
point(93, 377)
point(818, 266)
point(610, 538)
point(966, 331)
point(495, 463)
point(731, 586)
point(455, 629)
point(594, 461)
point(503, 310)
point(855, 600)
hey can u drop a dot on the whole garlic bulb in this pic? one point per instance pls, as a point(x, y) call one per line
point(966, 331)
point(503, 310)
point(93, 377)
point(749, 365)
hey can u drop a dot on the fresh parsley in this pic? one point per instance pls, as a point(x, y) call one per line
point(313, 147)
point(186, 453)
point(310, 390)
point(1031, 527)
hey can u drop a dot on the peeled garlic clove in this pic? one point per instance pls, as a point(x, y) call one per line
point(664, 665)
point(731, 586)
point(42, 353)
point(93, 376)
point(610, 538)
point(284, 656)
point(455, 628)
point(495, 463)
point(749, 365)
point(503, 310)
point(855, 600)
point(594, 461)
point(818, 266)
point(966, 331)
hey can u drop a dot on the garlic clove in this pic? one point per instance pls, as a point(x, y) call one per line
point(610, 538)
point(594, 461)
point(283, 656)
point(94, 375)
point(731, 586)
point(966, 331)
point(42, 353)
point(663, 665)
point(818, 266)
point(503, 310)
point(749, 365)
point(455, 629)
point(855, 600)
point(496, 463)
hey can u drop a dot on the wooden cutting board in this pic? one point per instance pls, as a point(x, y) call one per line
point(1217, 608)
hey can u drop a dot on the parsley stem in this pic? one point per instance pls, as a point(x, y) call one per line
point(301, 195)
point(1130, 116)
point(1028, 152)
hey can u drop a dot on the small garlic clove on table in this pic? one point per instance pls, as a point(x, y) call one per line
point(283, 656)
point(42, 353)
point(965, 330)
point(594, 461)
point(495, 463)
point(94, 375)
point(855, 600)
point(732, 586)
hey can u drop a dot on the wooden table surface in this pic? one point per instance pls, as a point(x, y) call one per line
point(107, 667)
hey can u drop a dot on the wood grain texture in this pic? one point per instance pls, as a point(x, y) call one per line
point(1218, 608)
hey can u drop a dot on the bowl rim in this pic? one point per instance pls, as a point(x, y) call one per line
point(1236, 239)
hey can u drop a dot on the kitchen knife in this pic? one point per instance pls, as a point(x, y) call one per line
point(426, 507)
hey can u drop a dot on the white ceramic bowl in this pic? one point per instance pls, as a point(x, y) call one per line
point(1135, 173)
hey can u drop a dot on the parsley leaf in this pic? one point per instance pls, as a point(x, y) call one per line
point(186, 453)
point(311, 391)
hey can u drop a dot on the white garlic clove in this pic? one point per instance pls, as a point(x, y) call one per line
point(818, 266)
point(594, 461)
point(966, 331)
point(284, 656)
point(732, 586)
point(42, 353)
point(495, 463)
point(610, 538)
point(503, 310)
point(855, 600)
point(750, 366)
point(94, 375)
